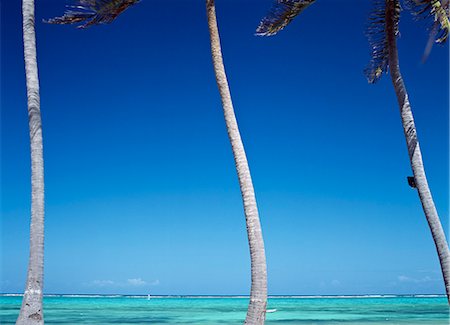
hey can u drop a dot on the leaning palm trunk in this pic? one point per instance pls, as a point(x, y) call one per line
point(415, 155)
point(31, 310)
point(258, 296)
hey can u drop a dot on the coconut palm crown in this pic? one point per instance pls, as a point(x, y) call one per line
point(436, 10)
point(93, 12)
point(284, 11)
point(376, 32)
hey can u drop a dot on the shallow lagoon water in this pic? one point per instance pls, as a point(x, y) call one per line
point(231, 310)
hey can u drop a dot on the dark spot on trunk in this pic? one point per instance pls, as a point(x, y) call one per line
point(35, 316)
point(411, 181)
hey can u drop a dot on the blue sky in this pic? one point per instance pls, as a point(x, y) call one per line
point(141, 192)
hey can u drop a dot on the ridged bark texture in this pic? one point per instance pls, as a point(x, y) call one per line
point(256, 313)
point(31, 311)
point(414, 152)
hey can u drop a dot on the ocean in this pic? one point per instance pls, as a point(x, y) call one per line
point(354, 310)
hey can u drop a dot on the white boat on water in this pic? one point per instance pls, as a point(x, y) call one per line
point(271, 310)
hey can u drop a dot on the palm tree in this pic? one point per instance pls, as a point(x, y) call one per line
point(93, 12)
point(256, 313)
point(382, 33)
point(31, 310)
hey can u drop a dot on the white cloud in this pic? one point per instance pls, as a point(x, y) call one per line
point(136, 282)
point(102, 283)
point(429, 271)
point(406, 279)
point(335, 283)
point(326, 284)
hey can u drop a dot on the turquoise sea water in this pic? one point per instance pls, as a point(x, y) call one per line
point(221, 310)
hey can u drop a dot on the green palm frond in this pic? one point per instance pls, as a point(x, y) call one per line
point(376, 33)
point(281, 14)
point(435, 10)
point(93, 12)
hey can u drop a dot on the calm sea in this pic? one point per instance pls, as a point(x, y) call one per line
point(430, 310)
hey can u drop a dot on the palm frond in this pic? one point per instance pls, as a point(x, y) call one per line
point(431, 39)
point(93, 12)
point(73, 16)
point(376, 33)
point(435, 10)
point(281, 14)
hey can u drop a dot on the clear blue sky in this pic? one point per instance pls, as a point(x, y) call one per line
point(141, 191)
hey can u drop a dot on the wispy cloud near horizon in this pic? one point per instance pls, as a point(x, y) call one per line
point(102, 283)
point(138, 282)
point(134, 282)
point(407, 279)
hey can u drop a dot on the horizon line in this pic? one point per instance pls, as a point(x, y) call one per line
point(112, 295)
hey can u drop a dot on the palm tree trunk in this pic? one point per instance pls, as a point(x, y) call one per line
point(414, 152)
point(256, 313)
point(31, 310)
